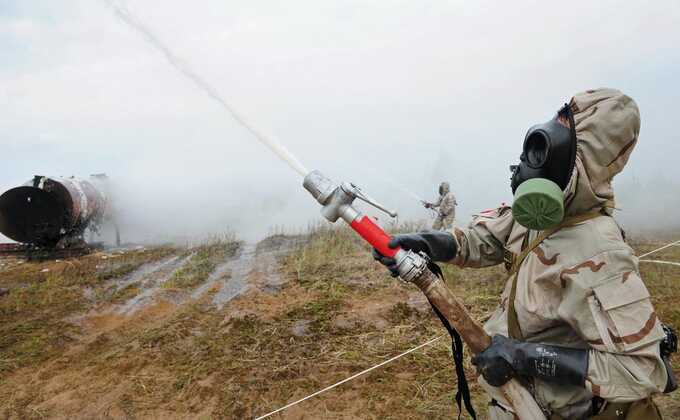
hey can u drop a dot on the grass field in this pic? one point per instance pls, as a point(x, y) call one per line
point(68, 351)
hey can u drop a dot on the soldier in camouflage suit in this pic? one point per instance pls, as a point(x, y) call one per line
point(446, 208)
point(576, 321)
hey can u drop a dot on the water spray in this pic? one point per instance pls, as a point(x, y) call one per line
point(425, 203)
point(405, 190)
point(125, 16)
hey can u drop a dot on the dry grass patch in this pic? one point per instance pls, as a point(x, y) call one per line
point(338, 314)
point(42, 294)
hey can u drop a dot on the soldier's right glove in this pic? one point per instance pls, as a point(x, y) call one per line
point(439, 246)
point(506, 357)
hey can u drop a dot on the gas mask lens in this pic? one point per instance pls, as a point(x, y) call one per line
point(536, 148)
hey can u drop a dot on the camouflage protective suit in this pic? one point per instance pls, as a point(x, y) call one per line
point(446, 208)
point(581, 286)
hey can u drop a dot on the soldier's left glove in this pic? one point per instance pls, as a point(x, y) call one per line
point(506, 358)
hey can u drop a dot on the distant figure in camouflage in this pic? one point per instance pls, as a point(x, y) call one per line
point(575, 320)
point(445, 206)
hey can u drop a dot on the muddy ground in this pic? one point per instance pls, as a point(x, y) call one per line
point(235, 330)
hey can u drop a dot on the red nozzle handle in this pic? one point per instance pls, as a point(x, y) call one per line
point(374, 235)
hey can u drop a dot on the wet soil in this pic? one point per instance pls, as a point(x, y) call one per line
point(273, 322)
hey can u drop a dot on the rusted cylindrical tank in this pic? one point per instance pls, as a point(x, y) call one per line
point(46, 210)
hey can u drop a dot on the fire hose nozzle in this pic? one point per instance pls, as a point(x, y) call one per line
point(336, 202)
point(337, 199)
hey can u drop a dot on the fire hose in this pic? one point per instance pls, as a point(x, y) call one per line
point(336, 201)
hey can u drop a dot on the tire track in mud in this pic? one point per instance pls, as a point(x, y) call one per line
point(115, 350)
point(143, 271)
point(254, 266)
point(149, 275)
point(152, 283)
point(236, 284)
point(113, 285)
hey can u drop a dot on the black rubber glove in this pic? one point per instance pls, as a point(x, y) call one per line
point(439, 246)
point(506, 358)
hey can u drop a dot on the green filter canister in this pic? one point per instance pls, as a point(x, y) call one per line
point(538, 204)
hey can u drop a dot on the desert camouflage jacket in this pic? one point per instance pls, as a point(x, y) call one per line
point(581, 287)
point(446, 203)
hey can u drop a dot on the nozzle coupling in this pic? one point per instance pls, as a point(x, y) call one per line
point(411, 265)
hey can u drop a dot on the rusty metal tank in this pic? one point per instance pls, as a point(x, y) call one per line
point(47, 210)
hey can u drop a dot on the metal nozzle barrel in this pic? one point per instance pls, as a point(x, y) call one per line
point(320, 186)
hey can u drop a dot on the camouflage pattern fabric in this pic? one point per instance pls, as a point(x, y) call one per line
point(443, 223)
point(581, 287)
point(446, 208)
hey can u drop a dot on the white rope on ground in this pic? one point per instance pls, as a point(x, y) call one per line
point(356, 375)
point(659, 249)
point(661, 262)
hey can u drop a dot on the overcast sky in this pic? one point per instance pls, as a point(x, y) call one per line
point(382, 93)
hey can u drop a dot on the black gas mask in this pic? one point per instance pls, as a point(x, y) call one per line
point(549, 152)
point(546, 165)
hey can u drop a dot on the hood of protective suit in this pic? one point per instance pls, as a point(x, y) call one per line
point(607, 128)
point(444, 188)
